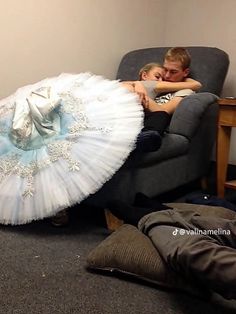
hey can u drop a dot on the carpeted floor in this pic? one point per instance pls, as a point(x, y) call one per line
point(43, 270)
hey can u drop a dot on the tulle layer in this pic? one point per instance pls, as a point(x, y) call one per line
point(99, 124)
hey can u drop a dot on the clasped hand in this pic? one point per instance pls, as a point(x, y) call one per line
point(142, 93)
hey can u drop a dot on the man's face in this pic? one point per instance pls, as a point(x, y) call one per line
point(174, 71)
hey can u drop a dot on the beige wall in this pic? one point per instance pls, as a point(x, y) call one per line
point(44, 38)
point(207, 23)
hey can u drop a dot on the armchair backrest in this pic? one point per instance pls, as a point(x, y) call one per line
point(209, 65)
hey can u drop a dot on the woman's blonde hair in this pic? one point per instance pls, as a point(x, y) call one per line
point(147, 67)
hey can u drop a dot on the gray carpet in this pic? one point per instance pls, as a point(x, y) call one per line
point(43, 271)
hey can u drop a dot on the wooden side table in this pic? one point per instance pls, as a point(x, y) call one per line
point(227, 120)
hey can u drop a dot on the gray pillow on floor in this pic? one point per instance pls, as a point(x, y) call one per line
point(130, 252)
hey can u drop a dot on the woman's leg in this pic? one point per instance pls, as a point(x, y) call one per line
point(157, 121)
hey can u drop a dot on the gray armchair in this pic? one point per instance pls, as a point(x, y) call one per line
point(187, 147)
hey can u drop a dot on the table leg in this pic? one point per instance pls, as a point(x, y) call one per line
point(222, 156)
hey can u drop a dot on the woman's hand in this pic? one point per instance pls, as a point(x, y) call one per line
point(138, 88)
point(142, 93)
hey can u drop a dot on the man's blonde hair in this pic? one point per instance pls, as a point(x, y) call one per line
point(179, 54)
point(147, 67)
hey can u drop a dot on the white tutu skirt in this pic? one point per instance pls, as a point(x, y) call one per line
point(61, 139)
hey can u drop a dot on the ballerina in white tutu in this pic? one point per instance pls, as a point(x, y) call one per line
point(61, 139)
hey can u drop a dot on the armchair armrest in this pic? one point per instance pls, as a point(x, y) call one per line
point(189, 113)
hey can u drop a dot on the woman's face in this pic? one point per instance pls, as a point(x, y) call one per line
point(155, 74)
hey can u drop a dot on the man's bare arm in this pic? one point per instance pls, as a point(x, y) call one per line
point(165, 87)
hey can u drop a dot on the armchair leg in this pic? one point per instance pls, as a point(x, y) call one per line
point(112, 221)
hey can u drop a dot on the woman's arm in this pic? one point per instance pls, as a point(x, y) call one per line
point(138, 88)
point(129, 85)
point(165, 87)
